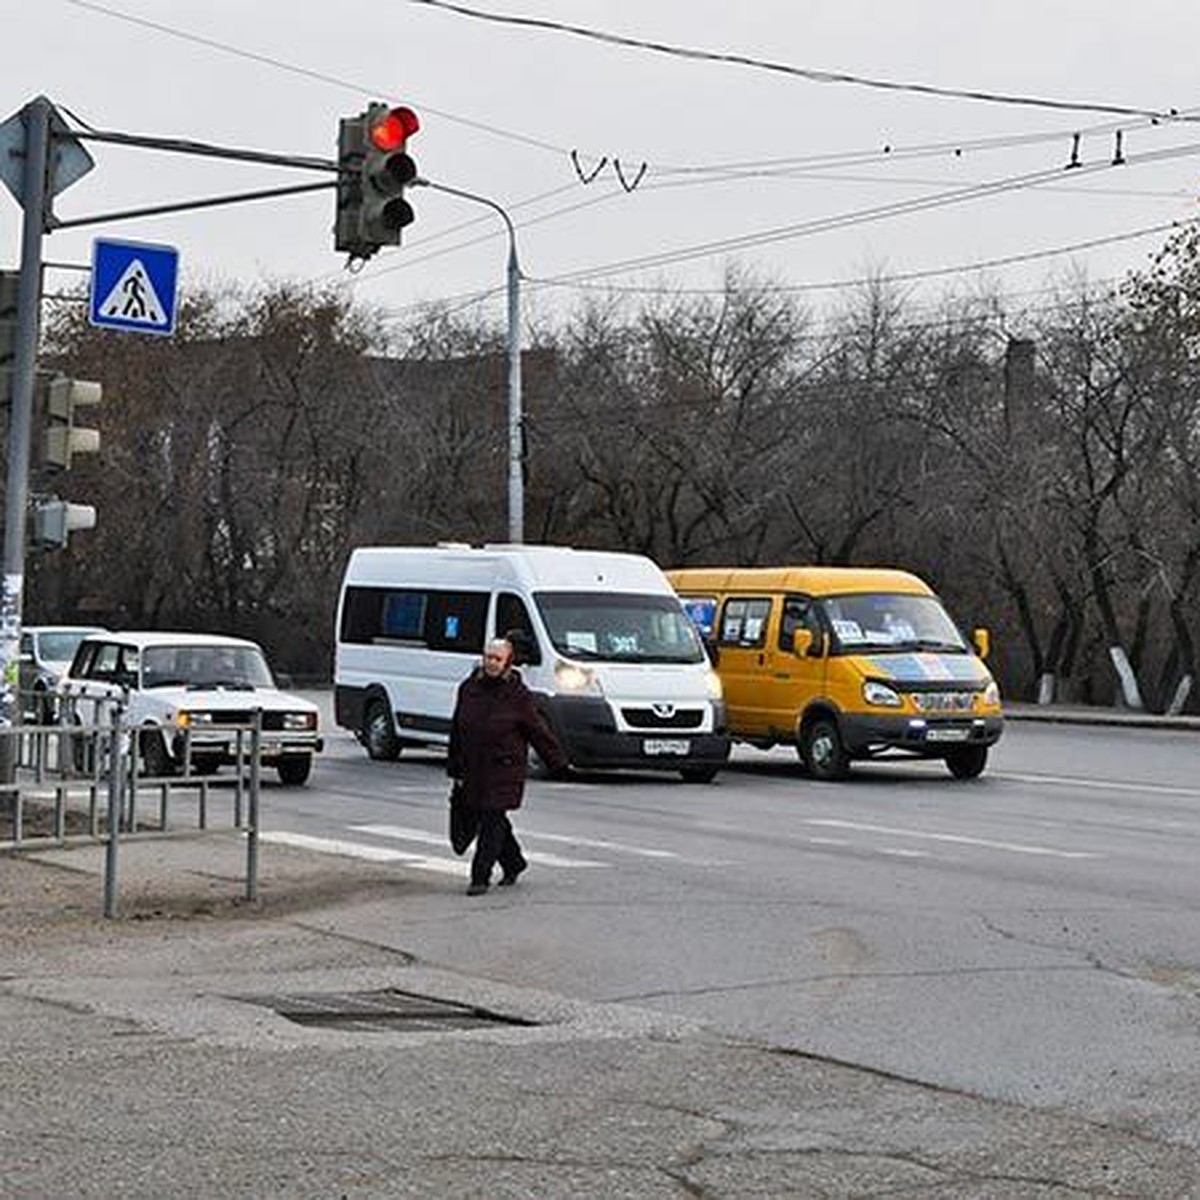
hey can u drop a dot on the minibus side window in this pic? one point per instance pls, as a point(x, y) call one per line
point(798, 613)
point(512, 618)
point(744, 621)
point(455, 621)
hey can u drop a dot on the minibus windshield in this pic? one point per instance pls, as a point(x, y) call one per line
point(891, 621)
point(609, 627)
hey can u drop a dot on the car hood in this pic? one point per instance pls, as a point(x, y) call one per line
point(925, 668)
point(230, 699)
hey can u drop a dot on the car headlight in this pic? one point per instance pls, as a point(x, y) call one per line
point(991, 695)
point(875, 692)
point(712, 681)
point(571, 678)
point(183, 717)
point(299, 720)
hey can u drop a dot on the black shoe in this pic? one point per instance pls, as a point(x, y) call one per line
point(510, 877)
point(477, 889)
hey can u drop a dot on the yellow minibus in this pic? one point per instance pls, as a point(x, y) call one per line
point(845, 663)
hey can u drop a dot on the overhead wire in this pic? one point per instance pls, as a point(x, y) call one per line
point(305, 72)
point(860, 216)
point(811, 74)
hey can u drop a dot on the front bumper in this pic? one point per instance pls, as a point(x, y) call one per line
point(591, 739)
point(223, 745)
point(932, 737)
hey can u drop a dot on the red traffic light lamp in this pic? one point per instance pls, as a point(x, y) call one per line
point(386, 170)
point(390, 128)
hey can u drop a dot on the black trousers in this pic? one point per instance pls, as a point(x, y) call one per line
point(495, 843)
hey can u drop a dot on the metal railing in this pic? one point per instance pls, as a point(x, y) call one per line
point(81, 783)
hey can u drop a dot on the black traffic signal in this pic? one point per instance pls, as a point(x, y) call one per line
point(373, 170)
point(386, 170)
point(346, 236)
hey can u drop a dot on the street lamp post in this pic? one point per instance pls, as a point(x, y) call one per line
point(516, 456)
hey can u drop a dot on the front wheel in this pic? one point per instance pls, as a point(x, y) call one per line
point(705, 774)
point(294, 769)
point(967, 763)
point(823, 751)
point(379, 734)
point(156, 762)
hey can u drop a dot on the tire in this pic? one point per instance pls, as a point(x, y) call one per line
point(705, 774)
point(823, 751)
point(156, 762)
point(379, 734)
point(967, 763)
point(294, 769)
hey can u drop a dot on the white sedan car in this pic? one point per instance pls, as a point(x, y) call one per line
point(184, 691)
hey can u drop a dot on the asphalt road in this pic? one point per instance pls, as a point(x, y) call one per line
point(1029, 936)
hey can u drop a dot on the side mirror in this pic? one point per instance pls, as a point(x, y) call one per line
point(982, 641)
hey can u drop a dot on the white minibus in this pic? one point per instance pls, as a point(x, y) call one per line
point(602, 640)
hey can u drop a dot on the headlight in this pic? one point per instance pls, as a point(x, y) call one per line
point(875, 692)
point(296, 720)
point(570, 678)
point(991, 695)
point(712, 681)
point(194, 718)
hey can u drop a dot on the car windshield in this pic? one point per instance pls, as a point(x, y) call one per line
point(205, 666)
point(889, 621)
point(59, 645)
point(598, 626)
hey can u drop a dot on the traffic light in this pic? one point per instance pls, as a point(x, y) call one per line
point(386, 170)
point(54, 521)
point(346, 233)
point(63, 436)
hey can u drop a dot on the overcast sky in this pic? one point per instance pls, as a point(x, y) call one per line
point(504, 106)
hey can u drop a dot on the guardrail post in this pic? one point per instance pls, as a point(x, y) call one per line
point(115, 811)
point(252, 830)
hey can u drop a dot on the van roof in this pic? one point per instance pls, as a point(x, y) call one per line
point(559, 568)
point(809, 581)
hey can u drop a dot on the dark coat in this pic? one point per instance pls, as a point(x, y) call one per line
point(495, 721)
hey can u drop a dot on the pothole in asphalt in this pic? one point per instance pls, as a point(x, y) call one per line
point(386, 1010)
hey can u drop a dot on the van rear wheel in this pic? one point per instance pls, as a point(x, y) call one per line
point(379, 734)
point(823, 751)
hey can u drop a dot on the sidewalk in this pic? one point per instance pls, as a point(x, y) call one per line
point(145, 1057)
point(1081, 714)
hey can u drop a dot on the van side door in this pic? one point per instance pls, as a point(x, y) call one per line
point(742, 663)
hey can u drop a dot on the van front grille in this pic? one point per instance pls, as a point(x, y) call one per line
point(663, 717)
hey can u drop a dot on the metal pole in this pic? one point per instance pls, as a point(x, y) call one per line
point(37, 155)
point(516, 431)
point(255, 787)
point(516, 418)
point(115, 808)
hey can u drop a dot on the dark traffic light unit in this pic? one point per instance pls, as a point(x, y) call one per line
point(63, 436)
point(374, 168)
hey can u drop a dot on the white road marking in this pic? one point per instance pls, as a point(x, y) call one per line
point(1157, 789)
point(404, 834)
point(620, 847)
point(954, 838)
point(361, 850)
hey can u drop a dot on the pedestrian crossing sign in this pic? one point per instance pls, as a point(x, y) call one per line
point(133, 286)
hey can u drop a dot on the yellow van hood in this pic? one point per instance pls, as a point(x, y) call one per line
point(925, 667)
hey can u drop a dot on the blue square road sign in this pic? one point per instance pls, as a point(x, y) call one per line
point(134, 286)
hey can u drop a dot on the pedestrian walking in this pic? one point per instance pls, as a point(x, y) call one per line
point(495, 721)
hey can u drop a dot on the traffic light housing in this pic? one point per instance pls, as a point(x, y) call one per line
point(64, 437)
point(374, 168)
point(54, 521)
point(346, 231)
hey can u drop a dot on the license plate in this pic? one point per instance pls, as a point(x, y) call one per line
point(666, 746)
point(946, 735)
